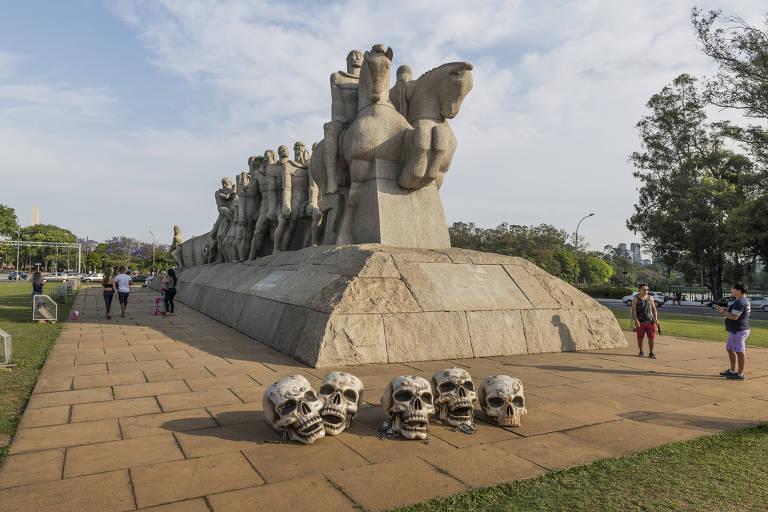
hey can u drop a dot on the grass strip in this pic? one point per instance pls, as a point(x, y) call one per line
point(715, 473)
point(31, 343)
point(698, 327)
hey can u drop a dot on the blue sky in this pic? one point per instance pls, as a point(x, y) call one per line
point(120, 117)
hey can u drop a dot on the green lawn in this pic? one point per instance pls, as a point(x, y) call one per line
point(717, 473)
point(699, 327)
point(31, 343)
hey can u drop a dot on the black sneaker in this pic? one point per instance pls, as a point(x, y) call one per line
point(735, 376)
point(728, 372)
point(651, 356)
point(641, 354)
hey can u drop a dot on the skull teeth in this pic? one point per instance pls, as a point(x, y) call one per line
point(333, 417)
point(310, 427)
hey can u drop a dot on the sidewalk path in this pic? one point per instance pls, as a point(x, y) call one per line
point(146, 411)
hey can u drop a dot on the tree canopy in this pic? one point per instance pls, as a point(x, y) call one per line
point(9, 223)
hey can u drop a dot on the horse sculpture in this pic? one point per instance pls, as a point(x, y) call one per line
point(435, 97)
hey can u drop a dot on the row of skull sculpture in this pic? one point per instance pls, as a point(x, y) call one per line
point(294, 409)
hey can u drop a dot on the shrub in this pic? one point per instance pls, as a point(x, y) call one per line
point(607, 292)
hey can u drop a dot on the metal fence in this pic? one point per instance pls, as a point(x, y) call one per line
point(700, 294)
point(6, 349)
point(44, 309)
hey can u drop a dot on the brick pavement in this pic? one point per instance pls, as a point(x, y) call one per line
point(156, 413)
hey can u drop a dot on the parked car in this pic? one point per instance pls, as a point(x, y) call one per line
point(658, 298)
point(139, 278)
point(759, 302)
point(56, 277)
point(723, 302)
point(93, 277)
point(12, 276)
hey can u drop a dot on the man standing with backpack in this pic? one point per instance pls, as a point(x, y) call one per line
point(645, 319)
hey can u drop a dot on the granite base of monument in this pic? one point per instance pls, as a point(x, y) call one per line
point(358, 304)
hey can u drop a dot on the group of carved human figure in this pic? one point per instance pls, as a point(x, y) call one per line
point(406, 125)
point(299, 413)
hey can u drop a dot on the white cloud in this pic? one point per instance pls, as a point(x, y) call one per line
point(544, 135)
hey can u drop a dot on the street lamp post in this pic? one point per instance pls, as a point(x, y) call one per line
point(18, 247)
point(576, 249)
point(153, 251)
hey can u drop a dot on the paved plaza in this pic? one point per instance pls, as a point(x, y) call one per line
point(165, 414)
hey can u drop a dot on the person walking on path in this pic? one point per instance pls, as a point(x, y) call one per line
point(123, 283)
point(645, 318)
point(169, 283)
point(108, 285)
point(737, 326)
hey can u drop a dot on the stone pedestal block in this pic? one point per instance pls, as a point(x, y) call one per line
point(391, 215)
point(370, 303)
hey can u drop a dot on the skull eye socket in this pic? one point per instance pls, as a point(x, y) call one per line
point(288, 407)
point(427, 397)
point(403, 396)
point(469, 386)
point(518, 401)
point(326, 390)
point(310, 396)
point(351, 395)
point(495, 401)
point(446, 387)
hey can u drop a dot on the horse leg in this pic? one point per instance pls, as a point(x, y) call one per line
point(358, 171)
point(417, 144)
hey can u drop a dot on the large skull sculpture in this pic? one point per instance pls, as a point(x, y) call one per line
point(409, 404)
point(341, 394)
point(292, 406)
point(455, 394)
point(503, 400)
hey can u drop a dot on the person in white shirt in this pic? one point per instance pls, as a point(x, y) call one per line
point(123, 283)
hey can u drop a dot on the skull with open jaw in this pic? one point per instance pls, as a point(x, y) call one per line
point(341, 394)
point(502, 399)
point(409, 404)
point(455, 395)
point(292, 406)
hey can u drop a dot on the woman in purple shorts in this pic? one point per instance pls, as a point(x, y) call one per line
point(737, 325)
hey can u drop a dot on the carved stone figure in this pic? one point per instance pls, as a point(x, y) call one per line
point(376, 134)
point(343, 112)
point(342, 396)
point(223, 197)
point(502, 399)
point(292, 407)
point(455, 394)
point(176, 247)
point(261, 230)
point(434, 98)
point(301, 154)
point(398, 95)
point(294, 201)
point(241, 239)
point(408, 402)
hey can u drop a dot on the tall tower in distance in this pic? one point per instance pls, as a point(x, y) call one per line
point(35, 215)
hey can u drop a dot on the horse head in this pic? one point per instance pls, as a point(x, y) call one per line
point(440, 91)
point(374, 76)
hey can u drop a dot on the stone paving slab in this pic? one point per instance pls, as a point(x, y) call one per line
point(165, 414)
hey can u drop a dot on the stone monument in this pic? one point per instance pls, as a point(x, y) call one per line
point(348, 257)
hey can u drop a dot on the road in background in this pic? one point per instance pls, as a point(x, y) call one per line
point(669, 309)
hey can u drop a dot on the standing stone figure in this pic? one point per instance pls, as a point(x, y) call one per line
point(242, 236)
point(398, 95)
point(252, 205)
point(261, 229)
point(301, 154)
point(295, 198)
point(343, 112)
point(223, 197)
point(176, 247)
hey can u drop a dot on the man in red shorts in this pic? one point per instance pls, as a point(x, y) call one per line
point(645, 319)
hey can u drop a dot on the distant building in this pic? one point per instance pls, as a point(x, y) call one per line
point(633, 253)
point(35, 215)
point(623, 250)
point(634, 248)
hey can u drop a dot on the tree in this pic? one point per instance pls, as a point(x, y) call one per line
point(569, 267)
point(690, 184)
point(9, 223)
point(741, 52)
point(594, 270)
